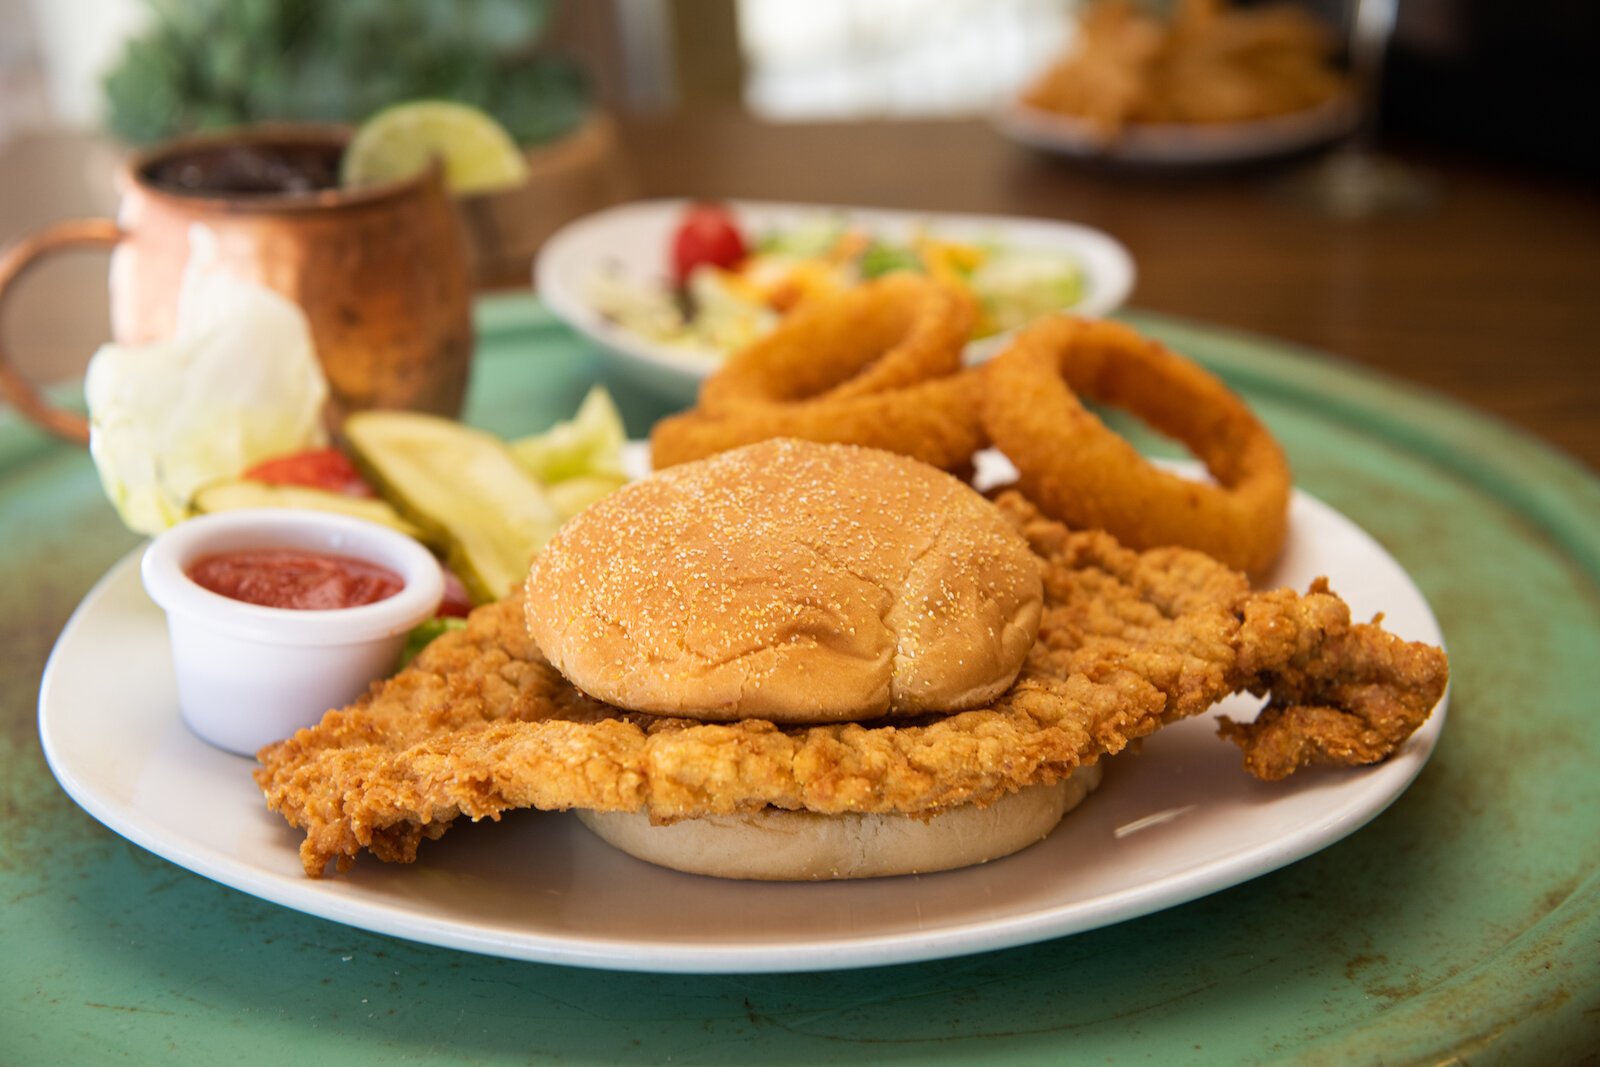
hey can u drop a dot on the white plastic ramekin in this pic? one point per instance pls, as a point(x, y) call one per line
point(250, 675)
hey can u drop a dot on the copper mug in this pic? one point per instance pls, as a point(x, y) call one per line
point(381, 271)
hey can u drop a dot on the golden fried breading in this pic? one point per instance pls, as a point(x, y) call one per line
point(1130, 641)
point(1340, 693)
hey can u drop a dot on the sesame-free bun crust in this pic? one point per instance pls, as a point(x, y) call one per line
point(775, 845)
point(788, 581)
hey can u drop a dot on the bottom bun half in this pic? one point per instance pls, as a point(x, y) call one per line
point(778, 845)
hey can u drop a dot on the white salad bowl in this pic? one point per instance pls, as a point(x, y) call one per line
point(249, 675)
point(634, 240)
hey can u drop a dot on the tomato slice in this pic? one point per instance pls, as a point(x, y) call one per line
point(320, 468)
point(456, 602)
point(707, 234)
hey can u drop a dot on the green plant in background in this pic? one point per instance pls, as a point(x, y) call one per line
point(203, 64)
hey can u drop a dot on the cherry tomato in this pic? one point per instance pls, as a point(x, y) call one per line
point(456, 603)
point(321, 468)
point(707, 234)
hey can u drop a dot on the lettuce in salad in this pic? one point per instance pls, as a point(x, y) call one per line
point(577, 461)
point(237, 383)
point(1017, 286)
point(589, 443)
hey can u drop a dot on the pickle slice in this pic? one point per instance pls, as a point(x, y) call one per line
point(463, 487)
point(237, 493)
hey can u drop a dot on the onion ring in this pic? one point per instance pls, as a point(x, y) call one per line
point(934, 421)
point(882, 335)
point(878, 366)
point(1082, 473)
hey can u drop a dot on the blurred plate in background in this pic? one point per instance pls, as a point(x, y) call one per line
point(1177, 144)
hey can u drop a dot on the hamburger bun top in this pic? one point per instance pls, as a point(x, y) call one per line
point(788, 581)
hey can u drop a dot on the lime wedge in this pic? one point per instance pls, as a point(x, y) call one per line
point(477, 153)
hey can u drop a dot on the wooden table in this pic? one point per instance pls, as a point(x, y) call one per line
point(1487, 297)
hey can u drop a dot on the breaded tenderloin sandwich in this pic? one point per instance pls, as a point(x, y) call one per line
point(800, 583)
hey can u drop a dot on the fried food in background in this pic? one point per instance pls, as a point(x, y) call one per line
point(1208, 63)
point(1081, 472)
point(481, 723)
point(878, 366)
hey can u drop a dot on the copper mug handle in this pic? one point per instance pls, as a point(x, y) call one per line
point(14, 263)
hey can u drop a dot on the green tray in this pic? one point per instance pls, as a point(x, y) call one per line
point(1464, 921)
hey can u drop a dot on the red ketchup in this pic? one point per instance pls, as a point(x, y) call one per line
point(294, 578)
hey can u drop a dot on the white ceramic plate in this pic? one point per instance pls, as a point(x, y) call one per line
point(1176, 822)
point(1177, 145)
point(634, 240)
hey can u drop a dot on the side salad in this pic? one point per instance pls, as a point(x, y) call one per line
point(484, 505)
point(723, 286)
point(228, 414)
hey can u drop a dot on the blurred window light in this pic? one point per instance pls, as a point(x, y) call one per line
point(77, 41)
point(23, 100)
point(856, 59)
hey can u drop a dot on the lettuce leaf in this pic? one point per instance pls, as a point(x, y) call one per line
point(237, 383)
point(589, 443)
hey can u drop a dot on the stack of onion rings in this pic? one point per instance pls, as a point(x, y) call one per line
point(1079, 471)
point(878, 365)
